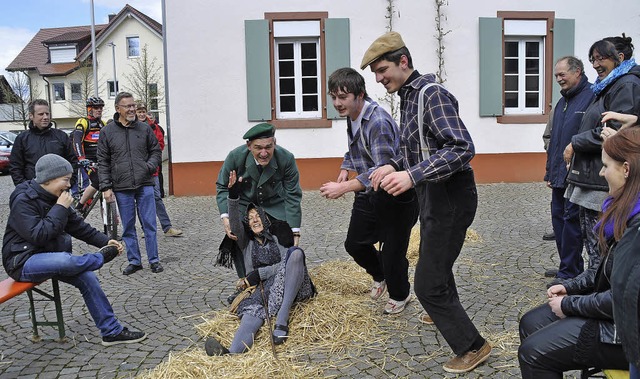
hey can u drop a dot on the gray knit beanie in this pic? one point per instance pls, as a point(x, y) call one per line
point(51, 166)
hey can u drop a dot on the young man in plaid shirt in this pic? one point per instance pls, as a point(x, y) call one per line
point(376, 215)
point(435, 161)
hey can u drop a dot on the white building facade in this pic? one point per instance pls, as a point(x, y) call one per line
point(230, 67)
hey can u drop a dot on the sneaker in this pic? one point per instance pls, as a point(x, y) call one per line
point(378, 289)
point(131, 269)
point(468, 361)
point(125, 336)
point(108, 253)
point(173, 232)
point(394, 306)
point(551, 236)
point(426, 319)
point(156, 267)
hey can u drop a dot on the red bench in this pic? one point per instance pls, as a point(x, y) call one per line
point(9, 289)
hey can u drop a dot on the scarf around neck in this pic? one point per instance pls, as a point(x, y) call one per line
point(617, 72)
point(608, 227)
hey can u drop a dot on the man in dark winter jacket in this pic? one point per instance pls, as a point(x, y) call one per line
point(39, 140)
point(128, 157)
point(567, 116)
point(36, 246)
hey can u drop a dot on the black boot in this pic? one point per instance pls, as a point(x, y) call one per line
point(213, 347)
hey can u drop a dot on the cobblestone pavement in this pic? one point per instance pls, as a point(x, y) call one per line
point(499, 278)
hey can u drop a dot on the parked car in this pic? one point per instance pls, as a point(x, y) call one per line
point(7, 139)
point(4, 161)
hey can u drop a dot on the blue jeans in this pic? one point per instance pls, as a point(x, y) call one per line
point(634, 372)
point(565, 217)
point(161, 211)
point(141, 199)
point(76, 270)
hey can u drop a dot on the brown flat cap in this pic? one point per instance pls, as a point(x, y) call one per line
point(386, 43)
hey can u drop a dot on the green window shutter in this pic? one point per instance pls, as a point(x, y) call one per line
point(564, 36)
point(490, 66)
point(337, 52)
point(256, 33)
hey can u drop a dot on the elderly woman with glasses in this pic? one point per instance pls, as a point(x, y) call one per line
point(280, 275)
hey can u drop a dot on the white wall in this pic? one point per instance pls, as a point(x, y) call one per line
point(206, 64)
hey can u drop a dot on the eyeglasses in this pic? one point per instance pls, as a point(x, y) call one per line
point(592, 60)
point(128, 106)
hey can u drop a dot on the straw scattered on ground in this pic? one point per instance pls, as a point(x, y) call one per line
point(339, 323)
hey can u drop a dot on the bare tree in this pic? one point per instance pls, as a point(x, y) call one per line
point(145, 81)
point(21, 93)
point(84, 77)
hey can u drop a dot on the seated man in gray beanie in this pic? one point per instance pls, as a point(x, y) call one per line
point(36, 246)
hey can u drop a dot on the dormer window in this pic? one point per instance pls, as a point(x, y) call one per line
point(62, 54)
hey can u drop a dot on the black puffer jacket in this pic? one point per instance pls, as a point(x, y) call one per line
point(37, 224)
point(128, 156)
point(625, 285)
point(33, 144)
point(621, 96)
point(589, 295)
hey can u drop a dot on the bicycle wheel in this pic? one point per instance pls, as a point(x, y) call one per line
point(110, 219)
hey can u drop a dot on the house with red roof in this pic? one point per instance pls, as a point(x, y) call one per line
point(58, 63)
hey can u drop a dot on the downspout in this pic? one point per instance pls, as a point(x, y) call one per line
point(166, 93)
point(49, 97)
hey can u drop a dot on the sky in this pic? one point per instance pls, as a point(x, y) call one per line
point(20, 20)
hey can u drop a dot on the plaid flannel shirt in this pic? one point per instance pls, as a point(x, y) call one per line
point(446, 138)
point(381, 139)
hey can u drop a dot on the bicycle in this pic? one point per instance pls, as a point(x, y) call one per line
point(109, 211)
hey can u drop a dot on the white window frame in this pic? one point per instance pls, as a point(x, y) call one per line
point(129, 55)
point(154, 100)
point(110, 86)
point(299, 112)
point(79, 94)
point(54, 92)
point(62, 54)
point(522, 76)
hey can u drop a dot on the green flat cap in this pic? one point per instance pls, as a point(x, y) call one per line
point(263, 130)
point(386, 43)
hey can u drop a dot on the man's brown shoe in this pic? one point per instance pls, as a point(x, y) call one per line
point(426, 319)
point(468, 361)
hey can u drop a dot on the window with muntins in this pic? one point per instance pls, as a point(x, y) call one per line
point(133, 47)
point(518, 50)
point(58, 92)
point(76, 91)
point(113, 89)
point(523, 75)
point(289, 57)
point(297, 69)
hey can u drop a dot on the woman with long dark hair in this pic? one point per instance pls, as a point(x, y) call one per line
point(619, 228)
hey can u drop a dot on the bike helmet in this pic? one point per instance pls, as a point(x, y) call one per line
point(95, 102)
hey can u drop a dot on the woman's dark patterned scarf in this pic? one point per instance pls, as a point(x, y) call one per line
point(616, 73)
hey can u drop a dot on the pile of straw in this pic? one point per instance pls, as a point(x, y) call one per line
point(413, 251)
point(339, 322)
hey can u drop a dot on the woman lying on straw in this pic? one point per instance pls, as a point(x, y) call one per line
point(281, 272)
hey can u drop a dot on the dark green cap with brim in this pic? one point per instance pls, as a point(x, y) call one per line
point(264, 130)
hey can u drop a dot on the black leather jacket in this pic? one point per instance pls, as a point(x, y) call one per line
point(589, 295)
point(621, 96)
point(625, 285)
